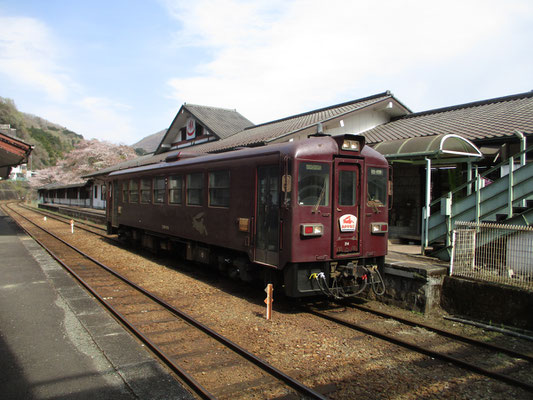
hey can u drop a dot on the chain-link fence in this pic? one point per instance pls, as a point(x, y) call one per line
point(492, 252)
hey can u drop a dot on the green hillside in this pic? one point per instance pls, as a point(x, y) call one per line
point(51, 141)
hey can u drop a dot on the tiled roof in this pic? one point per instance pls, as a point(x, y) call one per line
point(267, 132)
point(59, 185)
point(223, 122)
point(486, 119)
point(136, 162)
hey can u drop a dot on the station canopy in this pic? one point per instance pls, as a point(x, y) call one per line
point(440, 149)
point(12, 153)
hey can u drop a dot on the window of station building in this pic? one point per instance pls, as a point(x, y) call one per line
point(195, 189)
point(199, 130)
point(134, 191)
point(159, 190)
point(219, 188)
point(175, 190)
point(125, 191)
point(146, 190)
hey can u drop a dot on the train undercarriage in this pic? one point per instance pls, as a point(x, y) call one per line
point(335, 279)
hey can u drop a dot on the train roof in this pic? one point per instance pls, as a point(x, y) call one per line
point(298, 149)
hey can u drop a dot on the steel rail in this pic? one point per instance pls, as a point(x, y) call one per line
point(299, 387)
point(189, 380)
point(451, 335)
point(57, 217)
point(427, 352)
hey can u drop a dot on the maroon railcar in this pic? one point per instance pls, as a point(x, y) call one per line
point(310, 215)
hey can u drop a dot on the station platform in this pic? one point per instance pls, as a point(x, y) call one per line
point(414, 282)
point(57, 342)
point(89, 214)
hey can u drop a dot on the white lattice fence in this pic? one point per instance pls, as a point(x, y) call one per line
point(495, 253)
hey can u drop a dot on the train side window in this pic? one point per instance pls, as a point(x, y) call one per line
point(146, 190)
point(125, 191)
point(134, 191)
point(377, 187)
point(159, 190)
point(219, 188)
point(195, 189)
point(313, 184)
point(175, 189)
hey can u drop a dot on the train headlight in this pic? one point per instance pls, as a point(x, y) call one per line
point(351, 145)
point(379, 227)
point(311, 229)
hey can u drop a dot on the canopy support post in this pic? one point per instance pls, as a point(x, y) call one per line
point(426, 212)
point(469, 178)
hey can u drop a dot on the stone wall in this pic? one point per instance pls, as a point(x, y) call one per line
point(412, 286)
point(8, 194)
point(482, 301)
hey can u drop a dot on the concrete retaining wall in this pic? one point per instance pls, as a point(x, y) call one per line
point(412, 286)
point(491, 303)
point(72, 212)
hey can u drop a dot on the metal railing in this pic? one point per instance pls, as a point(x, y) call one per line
point(481, 203)
point(495, 253)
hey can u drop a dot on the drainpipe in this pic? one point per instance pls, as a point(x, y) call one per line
point(522, 147)
point(522, 156)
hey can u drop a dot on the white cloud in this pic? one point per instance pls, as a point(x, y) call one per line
point(29, 54)
point(272, 59)
point(93, 117)
point(32, 57)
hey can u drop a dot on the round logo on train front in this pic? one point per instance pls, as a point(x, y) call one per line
point(348, 222)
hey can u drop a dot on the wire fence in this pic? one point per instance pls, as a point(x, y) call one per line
point(494, 253)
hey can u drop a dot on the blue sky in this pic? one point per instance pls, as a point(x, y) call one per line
point(119, 70)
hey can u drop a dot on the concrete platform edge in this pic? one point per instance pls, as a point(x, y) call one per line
point(144, 376)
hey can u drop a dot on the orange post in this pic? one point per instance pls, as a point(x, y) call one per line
point(72, 226)
point(269, 291)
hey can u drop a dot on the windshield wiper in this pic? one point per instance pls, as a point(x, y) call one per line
point(322, 193)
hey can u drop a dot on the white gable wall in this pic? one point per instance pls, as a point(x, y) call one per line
point(356, 123)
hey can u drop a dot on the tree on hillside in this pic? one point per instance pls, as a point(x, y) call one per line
point(51, 140)
point(88, 156)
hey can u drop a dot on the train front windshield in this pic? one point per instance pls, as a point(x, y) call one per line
point(313, 184)
point(377, 187)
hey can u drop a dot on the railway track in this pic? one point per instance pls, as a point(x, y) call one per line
point(514, 366)
point(213, 366)
point(471, 354)
point(80, 224)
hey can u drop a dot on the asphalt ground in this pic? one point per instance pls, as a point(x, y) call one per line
point(57, 342)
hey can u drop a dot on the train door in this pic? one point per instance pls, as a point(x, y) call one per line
point(267, 215)
point(114, 203)
point(346, 208)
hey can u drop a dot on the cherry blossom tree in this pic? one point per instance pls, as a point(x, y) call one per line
point(88, 156)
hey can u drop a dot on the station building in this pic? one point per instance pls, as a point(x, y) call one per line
point(13, 151)
point(192, 126)
point(431, 152)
